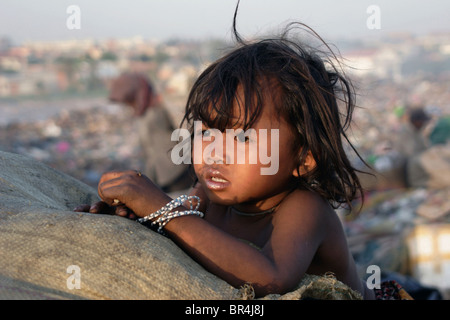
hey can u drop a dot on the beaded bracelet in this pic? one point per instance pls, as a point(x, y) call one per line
point(165, 214)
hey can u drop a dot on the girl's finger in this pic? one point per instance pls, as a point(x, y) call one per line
point(112, 193)
point(108, 187)
point(132, 216)
point(122, 211)
point(115, 179)
point(125, 212)
point(82, 208)
point(100, 207)
point(111, 175)
point(107, 179)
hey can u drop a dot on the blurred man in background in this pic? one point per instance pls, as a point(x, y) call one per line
point(411, 139)
point(410, 143)
point(155, 127)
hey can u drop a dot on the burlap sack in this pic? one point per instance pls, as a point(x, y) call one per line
point(50, 252)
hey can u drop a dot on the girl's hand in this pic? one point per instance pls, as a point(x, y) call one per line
point(101, 207)
point(131, 190)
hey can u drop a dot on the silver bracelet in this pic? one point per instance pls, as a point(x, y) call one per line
point(165, 214)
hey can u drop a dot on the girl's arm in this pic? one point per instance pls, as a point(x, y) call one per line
point(277, 268)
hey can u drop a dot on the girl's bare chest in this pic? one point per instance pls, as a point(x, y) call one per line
point(254, 229)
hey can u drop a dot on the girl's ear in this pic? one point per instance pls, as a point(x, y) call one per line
point(305, 166)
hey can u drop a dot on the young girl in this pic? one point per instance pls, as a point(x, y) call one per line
point(264, 229)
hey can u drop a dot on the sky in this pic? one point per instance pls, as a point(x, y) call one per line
point(44, 20)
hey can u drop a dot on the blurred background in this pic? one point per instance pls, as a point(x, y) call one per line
point(59, 61)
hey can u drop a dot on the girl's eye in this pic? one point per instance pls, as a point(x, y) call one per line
point(206, 133)
point(241, 137)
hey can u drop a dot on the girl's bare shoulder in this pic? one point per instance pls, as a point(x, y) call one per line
point(301, 203)
point(304, 213)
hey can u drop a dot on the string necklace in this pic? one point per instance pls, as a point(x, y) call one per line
point(254, 214)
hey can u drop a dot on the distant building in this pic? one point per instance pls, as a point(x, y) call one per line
point(380, 63)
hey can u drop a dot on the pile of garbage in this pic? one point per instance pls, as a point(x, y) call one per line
point(83, 143)
point(403, 231)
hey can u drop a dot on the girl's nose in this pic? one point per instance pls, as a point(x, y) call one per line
point(217, 159)
point(216, 151)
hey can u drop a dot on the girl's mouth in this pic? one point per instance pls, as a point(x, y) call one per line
point(216, 181)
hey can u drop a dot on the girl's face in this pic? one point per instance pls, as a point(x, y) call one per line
point(264, 178)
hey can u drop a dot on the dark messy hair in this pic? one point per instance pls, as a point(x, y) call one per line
point(310, 90)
